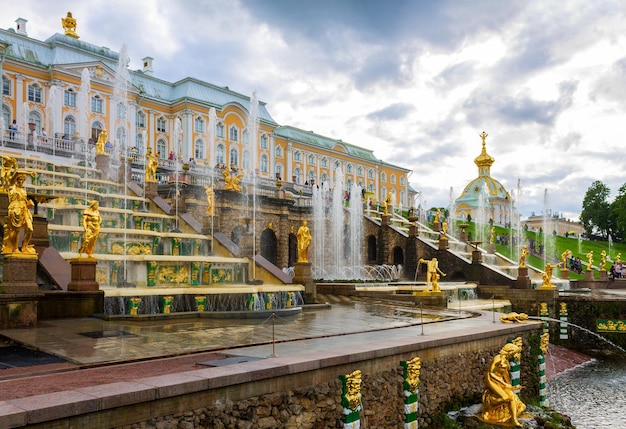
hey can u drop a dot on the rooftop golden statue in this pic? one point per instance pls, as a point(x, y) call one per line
point(500, 402)
point(19, 217)
point(69, 25)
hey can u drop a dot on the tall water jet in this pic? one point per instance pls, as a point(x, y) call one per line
point(83, 101)
point(337, 231)
point(548, 228)
point(252, 136)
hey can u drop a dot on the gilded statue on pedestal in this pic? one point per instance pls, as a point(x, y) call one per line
point(589, 260)
point(547, 276)
point(91, 224)
point(232, 183)
point(603, 261)
point(522, 257)
point(152, 163)
point(500, 402)
point(304, 241)
point(19, 217)
point(565, 256)
point(101, 142)
point(210, 197)
point(432, 274)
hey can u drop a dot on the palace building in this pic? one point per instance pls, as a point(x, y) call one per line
point(69, 89)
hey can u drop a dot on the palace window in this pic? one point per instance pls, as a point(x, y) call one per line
point(279, 151)
point(69, 98)
point(392, 178)
point(219, 154)
point(383, 177)
point(97, 104)
point(6, 86)
point(311, 159)
point(34, 93)
point(199, 152)
point(35, 118)
point(297, 156)
point(279, 170)
point(264, 167)
point(219, 130)
point(324, 162)
point(402, 180)
point(198, 124)
point(359, 171)
point(234, 157)
point(311, 176)
point(141, 120)
point(349, 168)
point(298, 173)
point(161, 149)
point(245, 137)
point(161, 125)
point(370, 173)
point(263, 141)
point(233, 134)
point(69, 126)
point(96, 129)
point(121, 111)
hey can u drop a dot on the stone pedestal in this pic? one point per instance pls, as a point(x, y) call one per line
point(564, 273)
point(604, 276)
point(437, 226)
point(386, 219)
point(491, 249)
point(432, 299)
point(302, 275)
point(413, 230)
point(589, 275)
point(40, 236)
point(443, 242)
point(19, 274)
point(151, 189)
point(83, 275)
point(103, 163)
point(523, 281)
point(477, 256)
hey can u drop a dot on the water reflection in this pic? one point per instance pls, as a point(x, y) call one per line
point(593, 395)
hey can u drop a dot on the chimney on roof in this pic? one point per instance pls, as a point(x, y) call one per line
point(21, 26)
point(147, 65)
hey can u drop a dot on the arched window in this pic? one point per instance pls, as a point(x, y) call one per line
point(198, 124)
point(311, 175)
point(383, 176)
point(96, 129)
point(233, 134)
point(298, 173)
point(264, 166)
point(402, 180)
point(349, 168)
point(69, 126)
point(120, 135)
point(35, 118)
point(383, 193)
point(245, 138)
point(219, 130)
point(245, 163)
point(324, 178)
point(359, 171)
point(370, 188)
point(297, 156)
point(392, 178)
point(264, 141)
point(161, 125)
point(139, 142)
point(279, 151)
point(370, 173)
point(199, 152)
point(141, 120)
point(234, 157)
point(311, 159)
point(6, 85)
point(278, 170)
point(121, 111)
point(324, 162)
point(161, 149)
point(219, 154)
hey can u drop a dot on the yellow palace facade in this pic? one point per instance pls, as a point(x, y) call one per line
point(65, 88)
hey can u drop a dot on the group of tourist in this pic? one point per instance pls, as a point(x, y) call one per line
point(575, 264)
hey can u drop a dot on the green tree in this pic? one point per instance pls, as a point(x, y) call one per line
point(618, 214)
point(596, 210)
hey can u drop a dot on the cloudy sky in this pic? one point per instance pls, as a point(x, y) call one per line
point(415, 81)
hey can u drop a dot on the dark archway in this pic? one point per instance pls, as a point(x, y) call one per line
point(293, 250)
point(398, 256)
point(371, 249)
point(236, 234)
point(268, 246)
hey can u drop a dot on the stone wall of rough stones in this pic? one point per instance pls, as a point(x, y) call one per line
point(451, 374)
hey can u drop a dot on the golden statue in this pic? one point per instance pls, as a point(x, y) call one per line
point(91, 224)
point(500, 402)
point(618, 258)
point(432, 274)
point(589, 260)
point(386, 204)
point(69, 25)
point(232, 183)
point(547, 276)
point(152, 163)
point(304, 241)
point(7, 171)
point(101, 142)
point(603, 261)
point(565, 256)
point(522, 257)
point(437, 216)
point(492, 234)
point(19, 217)
point(210, 196)
point(514, 317)
point(444, 228)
